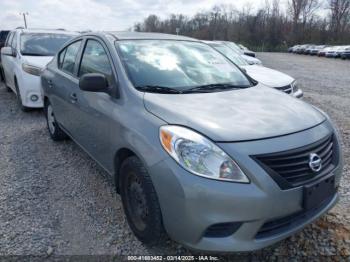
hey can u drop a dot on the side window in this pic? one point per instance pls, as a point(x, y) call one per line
point(9, 39)
point(61, 57)
point(14, 41)
point(70, 56)
point(95, 60)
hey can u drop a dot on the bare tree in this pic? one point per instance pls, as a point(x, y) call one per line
point(302, 11)
point(268, 28)
point(340, 15)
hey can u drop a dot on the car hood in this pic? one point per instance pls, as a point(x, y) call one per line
point(267, 76)
point(250, 59)
point(38, 61)
point(236, 115)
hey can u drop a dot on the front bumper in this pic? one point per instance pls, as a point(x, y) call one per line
point(30, 85)
point(191, 204)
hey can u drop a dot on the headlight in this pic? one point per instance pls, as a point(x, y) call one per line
point(295, 86)
point(199, 155)
point(33, 70)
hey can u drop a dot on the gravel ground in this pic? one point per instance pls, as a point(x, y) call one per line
point(54, 200)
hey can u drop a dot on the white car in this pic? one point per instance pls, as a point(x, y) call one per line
point(264, 75)
point(24, 56)
point(332, 51)
point(250, 60)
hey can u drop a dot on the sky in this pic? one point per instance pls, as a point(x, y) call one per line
point(101, 14)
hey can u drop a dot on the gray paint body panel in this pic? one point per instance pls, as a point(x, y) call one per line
point(253, 113)
point(102, 125)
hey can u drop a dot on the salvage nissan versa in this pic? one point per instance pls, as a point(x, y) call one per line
point(199, 151)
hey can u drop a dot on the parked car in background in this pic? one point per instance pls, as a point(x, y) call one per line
point(323, 51)
point(339, 51)
point(25, 55)
point(293, 49)
point(250, 60)
point(198, 151)
point(346, 53)
point(308, 49)
point(3, 36)
point(246, 51)
point(266, 76)
point(300, 49)
point(332, 52)
point(316, 49)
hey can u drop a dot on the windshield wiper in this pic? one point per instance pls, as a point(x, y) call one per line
point(158, 89)
point(33, 54)
point(213, 87)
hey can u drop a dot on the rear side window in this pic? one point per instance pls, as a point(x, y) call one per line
point(70, 55)
point(95, 60)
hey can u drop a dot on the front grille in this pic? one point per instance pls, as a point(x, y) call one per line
point(281, 225)
point(287, 89)
point(291, 168)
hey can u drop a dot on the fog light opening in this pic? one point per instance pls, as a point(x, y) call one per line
point(34, 98)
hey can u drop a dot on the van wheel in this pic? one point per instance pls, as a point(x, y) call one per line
point(19, 99)
point(56, 133)
point(140, 202)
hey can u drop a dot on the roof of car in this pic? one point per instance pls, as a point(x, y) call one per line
point(47, 31)
point(139, 36)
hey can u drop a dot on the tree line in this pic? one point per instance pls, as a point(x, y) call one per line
point(273, 27)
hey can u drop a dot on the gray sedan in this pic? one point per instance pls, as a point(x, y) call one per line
point(199, 152)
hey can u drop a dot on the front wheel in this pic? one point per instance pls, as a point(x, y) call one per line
point(140, 202)
point(56, 133)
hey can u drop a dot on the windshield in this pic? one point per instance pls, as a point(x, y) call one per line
point(234, 47)
point(230, 54)
point(180, 65)
point(42, 44)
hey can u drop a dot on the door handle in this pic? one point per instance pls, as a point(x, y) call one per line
point(49, 82)
point(73, 97)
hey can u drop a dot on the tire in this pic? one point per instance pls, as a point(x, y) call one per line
point(8, 89)
point(140, 202)
point(56, 133)
point(19, 98)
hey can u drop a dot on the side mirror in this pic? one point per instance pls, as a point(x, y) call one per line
point(94, 83)
point(8, 50)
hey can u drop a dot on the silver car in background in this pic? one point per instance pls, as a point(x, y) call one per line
point(199, 152)
point(264, 75)
point(237, 49)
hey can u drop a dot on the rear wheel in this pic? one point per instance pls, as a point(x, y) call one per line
point(140, 202)
point(19, 98)
point(56, 133)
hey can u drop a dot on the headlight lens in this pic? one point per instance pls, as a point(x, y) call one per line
point(295, 86)
point(199, 155)
point(33, 70)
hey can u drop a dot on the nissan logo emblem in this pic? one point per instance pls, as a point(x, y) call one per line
point(315, 162)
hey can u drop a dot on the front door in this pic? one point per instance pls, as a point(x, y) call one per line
point(93, 125)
